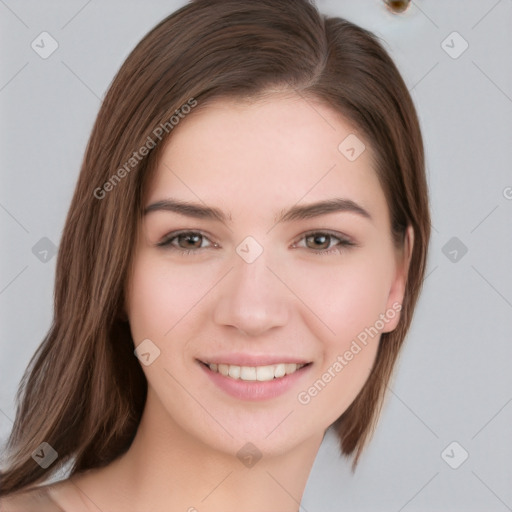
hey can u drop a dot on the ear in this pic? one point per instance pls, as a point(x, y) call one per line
point(397, 291)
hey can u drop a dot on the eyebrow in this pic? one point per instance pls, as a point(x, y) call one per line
point(308, 211)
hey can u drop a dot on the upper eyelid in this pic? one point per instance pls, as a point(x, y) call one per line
point(174, 234)
point(334, 234)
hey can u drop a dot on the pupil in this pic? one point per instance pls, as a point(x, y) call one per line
point(321, 240)
point(193, 239)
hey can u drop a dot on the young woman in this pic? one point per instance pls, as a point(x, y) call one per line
point(238, 270)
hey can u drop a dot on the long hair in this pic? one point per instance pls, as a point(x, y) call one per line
point(84, 391)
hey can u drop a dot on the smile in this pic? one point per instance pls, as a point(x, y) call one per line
point(253, 373)
point(255, 383)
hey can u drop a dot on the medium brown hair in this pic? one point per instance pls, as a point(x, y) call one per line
point(84, 391)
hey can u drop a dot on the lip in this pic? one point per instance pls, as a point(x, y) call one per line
point(251, 360)
point(255, 391)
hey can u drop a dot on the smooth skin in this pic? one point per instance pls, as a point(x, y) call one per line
point(252, 160)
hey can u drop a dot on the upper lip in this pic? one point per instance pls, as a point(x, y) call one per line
point(252, 360)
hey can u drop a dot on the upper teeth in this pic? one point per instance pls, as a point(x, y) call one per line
point(261, 373)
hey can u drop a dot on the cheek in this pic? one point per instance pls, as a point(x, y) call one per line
point(349, 304)
point(344, 298)
point(347, 300)
point(157, 298)
point(163, 301)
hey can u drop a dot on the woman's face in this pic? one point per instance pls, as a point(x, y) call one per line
point(260, 280)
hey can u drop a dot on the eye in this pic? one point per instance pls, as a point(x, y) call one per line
point(321, 242)
point(185, 242)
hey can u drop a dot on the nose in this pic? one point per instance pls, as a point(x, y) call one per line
point(252, 299)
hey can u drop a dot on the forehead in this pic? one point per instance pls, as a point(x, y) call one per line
point(259, 154)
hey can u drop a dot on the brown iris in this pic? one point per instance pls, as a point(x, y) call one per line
point(320, 241)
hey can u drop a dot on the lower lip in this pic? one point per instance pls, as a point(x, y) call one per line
point(255, 390)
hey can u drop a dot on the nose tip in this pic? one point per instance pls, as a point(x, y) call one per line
point(251, 299)
point(254, 330)
point(251, 315)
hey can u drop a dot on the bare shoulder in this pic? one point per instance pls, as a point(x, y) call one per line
point(36, 499)
point(57, 497)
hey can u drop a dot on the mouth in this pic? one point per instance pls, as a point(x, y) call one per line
point(251, 377)
point(255, 373)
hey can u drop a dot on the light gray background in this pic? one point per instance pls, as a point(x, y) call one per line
point(453, 381)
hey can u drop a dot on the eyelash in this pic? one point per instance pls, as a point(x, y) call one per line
point(166, 243)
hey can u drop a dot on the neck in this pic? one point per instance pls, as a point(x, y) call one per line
point(166, 468)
